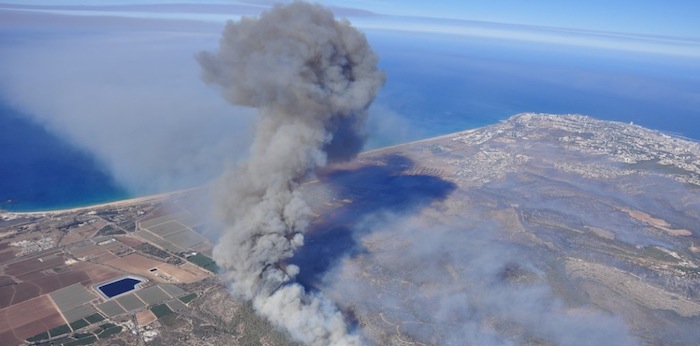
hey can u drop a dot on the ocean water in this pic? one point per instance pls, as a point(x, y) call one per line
point(443, 84)
point(40, 171)
point(435, 85)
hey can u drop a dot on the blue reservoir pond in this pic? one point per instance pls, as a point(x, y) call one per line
point(118, 287)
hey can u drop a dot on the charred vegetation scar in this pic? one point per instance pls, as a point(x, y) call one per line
point(374, 190)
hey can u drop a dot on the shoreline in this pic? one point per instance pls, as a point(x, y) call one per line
point(143, 199)
point(117, 203)
point(161, 196)
point(8, 214)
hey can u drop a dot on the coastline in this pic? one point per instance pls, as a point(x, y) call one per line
point(119, 203)
point(7, 214)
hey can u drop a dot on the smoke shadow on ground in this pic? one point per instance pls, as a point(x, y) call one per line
point(386, 187)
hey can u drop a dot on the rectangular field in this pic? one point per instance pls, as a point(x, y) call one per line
point(172, 290)
point(111, 308)
point(79, 312)
point(130, 302)
point(162, 219)
point(152, 295)
point(29, 318)
point(176, 305)
point(141, 265)
point(158, 241)
point(185, 238)
point(34, 264)
point(166, 228)
point(145, 317)
point(71, 297)
point(173, 232)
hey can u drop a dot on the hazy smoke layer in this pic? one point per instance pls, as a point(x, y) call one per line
point(456, 283)
point(131, 99)
point(312, 79)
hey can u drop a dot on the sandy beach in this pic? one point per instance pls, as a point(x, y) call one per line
point(120, 203)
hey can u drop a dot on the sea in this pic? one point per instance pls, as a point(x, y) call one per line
point(435, 84)
point(40, 171)
point(446, 83)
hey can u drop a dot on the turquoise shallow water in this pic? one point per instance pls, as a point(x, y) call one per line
point(435, 85)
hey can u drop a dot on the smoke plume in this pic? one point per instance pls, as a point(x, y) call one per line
point(312, 79)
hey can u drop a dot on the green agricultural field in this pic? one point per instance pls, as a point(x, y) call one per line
point(81, 339)
point(39, 337)
point(188, 298)
point(75, 325)
point(60, 330)
point(109, 332)
point(94, 318)
point(204, 262)
point(161, 310)
point(107, 325)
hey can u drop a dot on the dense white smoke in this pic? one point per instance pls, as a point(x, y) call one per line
point(312, 79)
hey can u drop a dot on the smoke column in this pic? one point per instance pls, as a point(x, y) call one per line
point(312, 79)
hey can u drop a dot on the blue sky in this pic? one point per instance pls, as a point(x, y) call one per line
point(673, 17)
point(640, 26)
point(649, 17)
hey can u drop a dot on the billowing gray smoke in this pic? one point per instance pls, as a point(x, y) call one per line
point(312, 79)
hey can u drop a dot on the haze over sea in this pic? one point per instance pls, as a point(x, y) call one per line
point(437, 83)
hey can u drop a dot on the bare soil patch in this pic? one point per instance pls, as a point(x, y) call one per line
point(186, 272)
point(129, 241)
point(34, 264)
point(6, 294)
point(97, 273)
point(7, 255)
point(145, 317)
point(134, 263)
point(657, 223)
point(165, 273)
point(82, 232)
point(25, 291)
point(29, 318)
